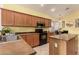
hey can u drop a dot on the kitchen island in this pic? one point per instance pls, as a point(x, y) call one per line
point(63, 44)
point(16, 47)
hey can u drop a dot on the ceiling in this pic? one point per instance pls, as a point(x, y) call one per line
point(60, 9)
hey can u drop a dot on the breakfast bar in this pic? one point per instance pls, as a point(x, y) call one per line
point(63, 44)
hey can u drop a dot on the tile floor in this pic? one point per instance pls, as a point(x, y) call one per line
point(42, 50)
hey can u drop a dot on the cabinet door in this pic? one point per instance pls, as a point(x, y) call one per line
point(23, 20)
point(42, 20)
point(36, 39)
point(34, 21)
point(47, 22)
point(30, 39)
point(28, 20)
point(18, 19)
point(7, 17)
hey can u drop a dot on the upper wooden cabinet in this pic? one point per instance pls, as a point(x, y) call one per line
point(22, 19)
point(34, 20)
point(18, 19)
point(28, 20)
point(12, 18)
point(47, 22)
point(7, 17)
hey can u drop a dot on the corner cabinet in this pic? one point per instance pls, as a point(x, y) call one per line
point(13, 18)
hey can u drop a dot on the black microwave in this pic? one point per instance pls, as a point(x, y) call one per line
point(40, 25)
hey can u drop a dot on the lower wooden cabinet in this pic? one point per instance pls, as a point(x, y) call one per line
point(36, 39)
point(31, 38)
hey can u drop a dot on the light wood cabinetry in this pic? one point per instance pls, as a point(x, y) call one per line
point(18, 19)
point(36, 39)
point(22, 19)
point(31, 38)
point(65, 44)
point(34, 21)
point(7, 17)
point(42, 20)
point(47, 23)
point(12, 18)
point(28, 20)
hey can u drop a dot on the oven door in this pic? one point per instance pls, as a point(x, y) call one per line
point(43, 38)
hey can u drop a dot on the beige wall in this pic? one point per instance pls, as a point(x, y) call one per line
point(24, 10)
point(71, 18)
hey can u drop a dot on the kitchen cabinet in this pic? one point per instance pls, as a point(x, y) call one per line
point(28, 20)
point(64, 44)
point(42, 20)
point(7, 17)
point(28, 38)
point(36, 39)
point(34, 21)
point(31, 38)
point(13, 18)
point(22, 19)
point(47, 22)
point(18, 19)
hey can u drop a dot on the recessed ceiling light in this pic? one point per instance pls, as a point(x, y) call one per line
point(42, 5)
point(53, 9)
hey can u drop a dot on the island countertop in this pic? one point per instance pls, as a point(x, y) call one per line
point(17, 47)
point(65, 37)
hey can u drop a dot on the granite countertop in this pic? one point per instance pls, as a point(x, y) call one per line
point(24, 32)
point(64, 36)
point(17, 47)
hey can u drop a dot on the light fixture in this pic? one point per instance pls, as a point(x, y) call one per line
point(42, 5)
point(53, 9)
